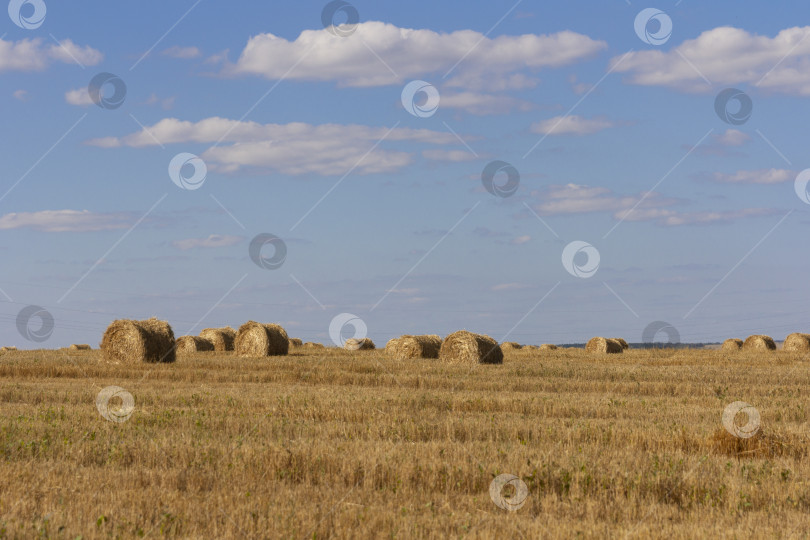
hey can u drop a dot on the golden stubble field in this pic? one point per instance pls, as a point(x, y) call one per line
point(338, 444)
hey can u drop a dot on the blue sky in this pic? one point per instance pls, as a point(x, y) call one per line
point(304, 135)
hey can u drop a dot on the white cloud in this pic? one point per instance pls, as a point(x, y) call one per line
point(732, 137)
point(449, 155)
point(67, 51)
point(65, 221)
point(521, 240)
point(182, 52)
point(410, 53)
point(509, 287)
point(296, 148)
point(483, 104)
point(761, 176)
point(571, 125)
point(37, 54)
point(580, 199)
point(726, 56)
point(213, 241)
point(672, 218)
point(577, 199)
point(21, 95)
point(79, 97)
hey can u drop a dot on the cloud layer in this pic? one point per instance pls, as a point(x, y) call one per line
point(379, 54)
point(726, 56)
point(296, 148)
point(37, 54)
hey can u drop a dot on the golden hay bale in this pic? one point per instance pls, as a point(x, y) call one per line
point(603, 345)
point(311, 345)
point(468, 348)
point(295, 343)
point(511, 346)
point(222, 338)
point(256, 339)
point(7, 349)
point(407, 346)
point(79, 347)
point(547, 347)
point(759, 343)
point(130, 341)
point(797, 342)
point(623, 343)
point(732, 344)
point(364, 344)
point(187, 345)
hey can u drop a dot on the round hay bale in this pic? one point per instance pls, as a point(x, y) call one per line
point(603, 346)
point(531, 347)
point(467, 348)
point(548, 347)
point(732, 344)
point(187, 345)
point(131, 341)
point(623, 343)
point(364, 344)
point(7, 349)
point(79, 347)
point(511, 346)
point(295, 343)
point(221, 338)
point(759, 342)
point(797, 342)
point(311, 345)
point(257, 339)
point(407, 346)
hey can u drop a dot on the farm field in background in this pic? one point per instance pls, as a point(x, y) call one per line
point(336, 443)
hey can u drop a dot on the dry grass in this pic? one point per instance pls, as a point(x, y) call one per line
point(334, 444)
point(622, 342)
point(256, 339)
point(364, 344)
point(468, 348)
point(547, 347)
point(600, 345)
point(732, 344)
point(759, 343)
point(8, 349)
point(222, 338)
point(797, 342)
point(130, 341)
point(407, 346)
point(188, 345)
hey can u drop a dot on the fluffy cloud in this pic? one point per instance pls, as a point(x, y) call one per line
point(410, 53)
point(732, 137)
point(79, 97)
point(65, 221)
point(36, 54)
point(570, 125)
point(726, 56)
point(182, 52)
point(579, 199)
point(650, 206)
point(761, 176)
point(672, 218)
point(449, 155)
point(296, 148)
point(213, 241)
